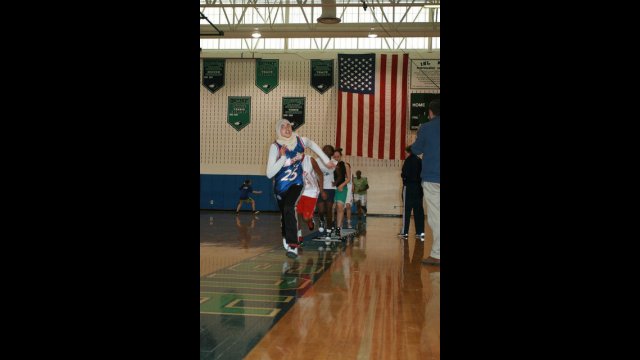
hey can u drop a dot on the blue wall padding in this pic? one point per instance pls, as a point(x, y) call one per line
point(223, 190)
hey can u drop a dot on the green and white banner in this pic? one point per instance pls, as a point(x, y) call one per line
point(213, 74)
point(321, 75)
point(239, 113)
point(267, 74)
point(293, 110)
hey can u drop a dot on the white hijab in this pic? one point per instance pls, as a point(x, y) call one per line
point(289, 142)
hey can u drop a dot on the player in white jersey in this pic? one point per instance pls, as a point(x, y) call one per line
point(325, 200)
point(313, 182)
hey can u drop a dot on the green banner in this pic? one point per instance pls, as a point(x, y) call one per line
point(420, 108)
point(213, 74)
point(267, 74)
point(293, 110)
point(239, 114)
point(322, 75)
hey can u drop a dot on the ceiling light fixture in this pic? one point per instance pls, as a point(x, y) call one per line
point(256, 34)
point(372, 34)
point(328, 15)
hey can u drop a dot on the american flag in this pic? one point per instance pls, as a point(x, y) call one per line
point(372, 105)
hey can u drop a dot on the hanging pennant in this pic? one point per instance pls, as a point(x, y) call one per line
point(266, 74)
point(213, 74)
point(293, 110)
point(321, 75)
point(239, 112)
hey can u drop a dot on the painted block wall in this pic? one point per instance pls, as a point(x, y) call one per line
point(225, 151)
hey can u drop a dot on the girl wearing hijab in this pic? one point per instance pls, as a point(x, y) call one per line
point(285, 164)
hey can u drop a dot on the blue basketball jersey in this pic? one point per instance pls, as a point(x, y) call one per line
point(245, 191)
point(291, 172)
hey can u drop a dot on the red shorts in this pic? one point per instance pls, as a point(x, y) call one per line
point(306, 206)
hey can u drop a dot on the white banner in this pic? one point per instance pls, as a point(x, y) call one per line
point(425, 74)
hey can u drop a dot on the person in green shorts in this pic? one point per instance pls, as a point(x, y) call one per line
point(341, 178)
point(360, 187)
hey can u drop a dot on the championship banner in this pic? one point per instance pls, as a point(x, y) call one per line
point(425, 74)
point(420, 109)
point(293, 110)
point(322, 75)
point(213, 74)
point(239, 112)
point(267, 74)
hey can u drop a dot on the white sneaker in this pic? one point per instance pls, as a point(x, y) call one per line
point(284, 243)
point(420, 236)
point(292, 252)
point(328, 233)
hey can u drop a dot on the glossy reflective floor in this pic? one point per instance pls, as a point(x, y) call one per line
point(369, 298)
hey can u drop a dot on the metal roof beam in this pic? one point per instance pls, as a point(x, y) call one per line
point(322, 30)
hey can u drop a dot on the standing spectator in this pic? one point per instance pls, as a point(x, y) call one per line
point(428, 143)
point(412, 195)
point(360, 187)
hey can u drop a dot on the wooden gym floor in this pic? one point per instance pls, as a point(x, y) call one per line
point(370, 298)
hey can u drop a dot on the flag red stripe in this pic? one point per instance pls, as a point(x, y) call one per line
point(372, 109)
point(383, 76)
point(403, 125)
point(338, 131)
point(360, 122)
point(347, 142)
point(394, 86)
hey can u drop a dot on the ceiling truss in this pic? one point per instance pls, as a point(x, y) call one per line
point(391, 18)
